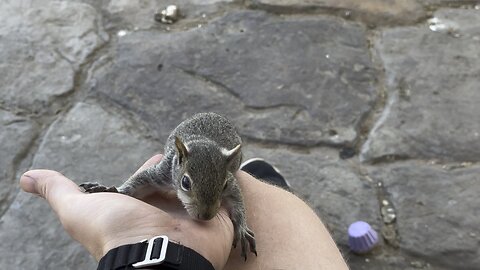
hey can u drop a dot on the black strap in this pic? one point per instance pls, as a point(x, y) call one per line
point(178, 257)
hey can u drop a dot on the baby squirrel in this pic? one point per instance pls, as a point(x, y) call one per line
point(201, 156)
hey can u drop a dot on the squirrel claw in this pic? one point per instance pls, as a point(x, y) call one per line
point(250, 236)
point(88, 185)
point(246, 235)
point(96, 187)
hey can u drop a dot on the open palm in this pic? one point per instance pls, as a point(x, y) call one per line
point(102, 221)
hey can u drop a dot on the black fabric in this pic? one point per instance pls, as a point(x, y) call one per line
point(263, 170)
point(178, 257)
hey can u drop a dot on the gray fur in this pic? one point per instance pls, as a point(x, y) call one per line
point(197, 147)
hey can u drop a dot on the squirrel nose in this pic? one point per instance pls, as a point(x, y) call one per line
point(206, 216)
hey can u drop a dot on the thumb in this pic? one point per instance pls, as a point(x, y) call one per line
point(50, 185)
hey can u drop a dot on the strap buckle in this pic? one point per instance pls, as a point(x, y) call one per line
point(148, 261)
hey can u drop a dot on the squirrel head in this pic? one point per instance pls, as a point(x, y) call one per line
point(200, 173)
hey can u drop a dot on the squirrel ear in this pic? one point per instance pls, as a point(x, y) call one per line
point(182, 150)
point(231, 154)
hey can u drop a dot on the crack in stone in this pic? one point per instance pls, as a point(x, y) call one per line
point(370, 125)
point(386, 209)
point(459, 4)
point(20, 157)
point(14, 121)
point(348, 14)
point(359, 16)
point(295, 9)
point(131, 114)
point(45, 122)
point(80, 76)
point(218, 85)
point(388, 214)
point(64, 57)
point(388, 159)
point(298, 108)
point(367, 121)
point(210, 81)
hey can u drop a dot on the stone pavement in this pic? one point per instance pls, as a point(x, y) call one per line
point(370, 109)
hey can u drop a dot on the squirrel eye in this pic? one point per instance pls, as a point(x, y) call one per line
point(186, 183)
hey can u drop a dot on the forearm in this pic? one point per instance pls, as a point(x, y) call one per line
point(289, 234)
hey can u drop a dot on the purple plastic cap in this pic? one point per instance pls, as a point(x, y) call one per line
point(361, 237)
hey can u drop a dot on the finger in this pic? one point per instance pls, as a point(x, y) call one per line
point(51, 185)
point(149, 163)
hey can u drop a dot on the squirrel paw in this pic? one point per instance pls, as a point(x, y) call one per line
point(244, 234)
point(90, 187)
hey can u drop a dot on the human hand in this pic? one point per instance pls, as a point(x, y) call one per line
point(103, 221)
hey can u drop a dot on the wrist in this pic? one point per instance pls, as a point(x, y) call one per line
point(156, 253)
point(135, 231)
point(208, 248)
point(115, 243)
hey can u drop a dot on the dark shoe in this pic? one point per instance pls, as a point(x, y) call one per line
point(261, 169)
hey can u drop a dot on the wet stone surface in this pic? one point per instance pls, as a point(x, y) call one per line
point(105, 140)
point(93, 88)
point(373, 12)
point(40, 36)
point(437, 211)
point(83, 150)
point(432, 80)
point(280, 94)
point(12, 148)
point(30, 220)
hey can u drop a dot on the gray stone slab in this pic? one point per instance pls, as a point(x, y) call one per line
point(437, 212)
point(89, 143)
point(16, 135)
point(432, 74)
point(42, 45)
point(374, 12)
point(295, 80)
point(88, 136)
point(329, 185)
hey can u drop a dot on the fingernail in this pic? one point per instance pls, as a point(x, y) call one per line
point(28, 184)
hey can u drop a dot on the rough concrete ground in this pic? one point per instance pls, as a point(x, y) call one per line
point(359, 104)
